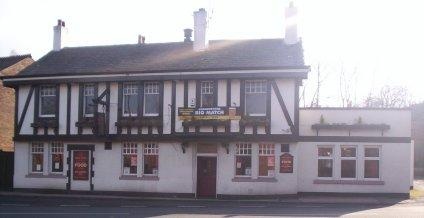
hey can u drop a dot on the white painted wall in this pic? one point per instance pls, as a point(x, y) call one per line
point(399, 121)
point(74, 108)
point(179, 101)
point(286, 182)
point(22, 170)
point(113, 107)
point(175, 170)
point(29, 117)
point(167, 107)
point(394, 168)
point(63, 104)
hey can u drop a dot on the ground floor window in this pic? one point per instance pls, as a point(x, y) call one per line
point(325, 161)
point(56, 156)
point(244, 159)
point(348, 161)
point(37, 157)
point(129, 156)
point(372, 162)
point(266, 160)
point(151, 159)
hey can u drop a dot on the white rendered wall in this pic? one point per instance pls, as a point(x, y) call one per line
point(222, 93)
point(22, 178)
point(63, 104)
point(29, 117)
point(286, 182)
point(394, 168)
point(113, 107)
point(74, 108)
point(399, 121)
point(167, 106)
point(175, 170)
point(179, 101)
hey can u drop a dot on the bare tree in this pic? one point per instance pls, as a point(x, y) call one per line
point(389, 97)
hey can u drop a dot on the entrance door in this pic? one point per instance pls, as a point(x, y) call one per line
point(206, 176)
point(80, 170)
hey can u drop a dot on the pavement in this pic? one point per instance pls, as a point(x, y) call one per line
point(33, 204)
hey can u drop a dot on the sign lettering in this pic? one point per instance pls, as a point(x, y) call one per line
point(286, 163)
point(80, 165)
point(214, 113)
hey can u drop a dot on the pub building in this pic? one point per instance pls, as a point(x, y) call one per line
point(197, 118)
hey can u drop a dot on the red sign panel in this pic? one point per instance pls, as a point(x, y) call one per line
point(81, 165)
point(286, 163)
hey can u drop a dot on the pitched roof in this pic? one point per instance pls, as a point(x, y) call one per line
point(166, 57)
point(6, 62)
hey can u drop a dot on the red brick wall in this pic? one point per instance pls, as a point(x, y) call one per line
point(7, 106)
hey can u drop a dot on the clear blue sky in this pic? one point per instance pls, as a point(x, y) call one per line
point(382, 41)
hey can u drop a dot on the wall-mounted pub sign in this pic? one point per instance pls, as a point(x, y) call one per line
point(213, 113)
point(80, 165)
point(286, 163)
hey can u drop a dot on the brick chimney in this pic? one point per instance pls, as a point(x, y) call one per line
point(58, 35)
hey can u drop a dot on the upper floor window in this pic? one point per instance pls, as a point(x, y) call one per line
point(207, 94)
point(255, 97)
point(130, 99)
point(348, 161)
point(47, 101)
point(88, 100)
point(244, 159)
point(151, 99)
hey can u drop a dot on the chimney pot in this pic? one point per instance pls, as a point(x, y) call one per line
point(187, 35)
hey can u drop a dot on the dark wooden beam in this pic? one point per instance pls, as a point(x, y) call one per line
point(107, 115)
point(36, 107)
point(119, 117)
point(173, 106)
point(283, 106)
point(16, 117)
point(80, 105)
point(25, 109)
point(56, 114)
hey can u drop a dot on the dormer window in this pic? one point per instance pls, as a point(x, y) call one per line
point(151, 99)
point(88, 100)
point(207, 94)
point(130, 99)
point(47, 101)
point(255, 97)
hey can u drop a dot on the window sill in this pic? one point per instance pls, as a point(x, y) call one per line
point(348, 182)
point(249, 179)
point(145, 177)
point(50, 176)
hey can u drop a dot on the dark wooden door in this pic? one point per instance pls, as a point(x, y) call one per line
point(206, 176)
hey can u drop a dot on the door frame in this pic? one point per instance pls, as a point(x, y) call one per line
point(210, 155)
point(72, 147)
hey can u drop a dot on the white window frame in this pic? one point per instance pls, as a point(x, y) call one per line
point(46, 93)
point(207, 88)
point(36, 148)
point(331, 157)
point(129, 89)
point(242, 150)
point(56, 148)
point(266, 150)
point(349, 158)
point(254, 87)
point(152, 90)
point(129, 148)
point(151, 148)
point(373, 158)
point(86, 94)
